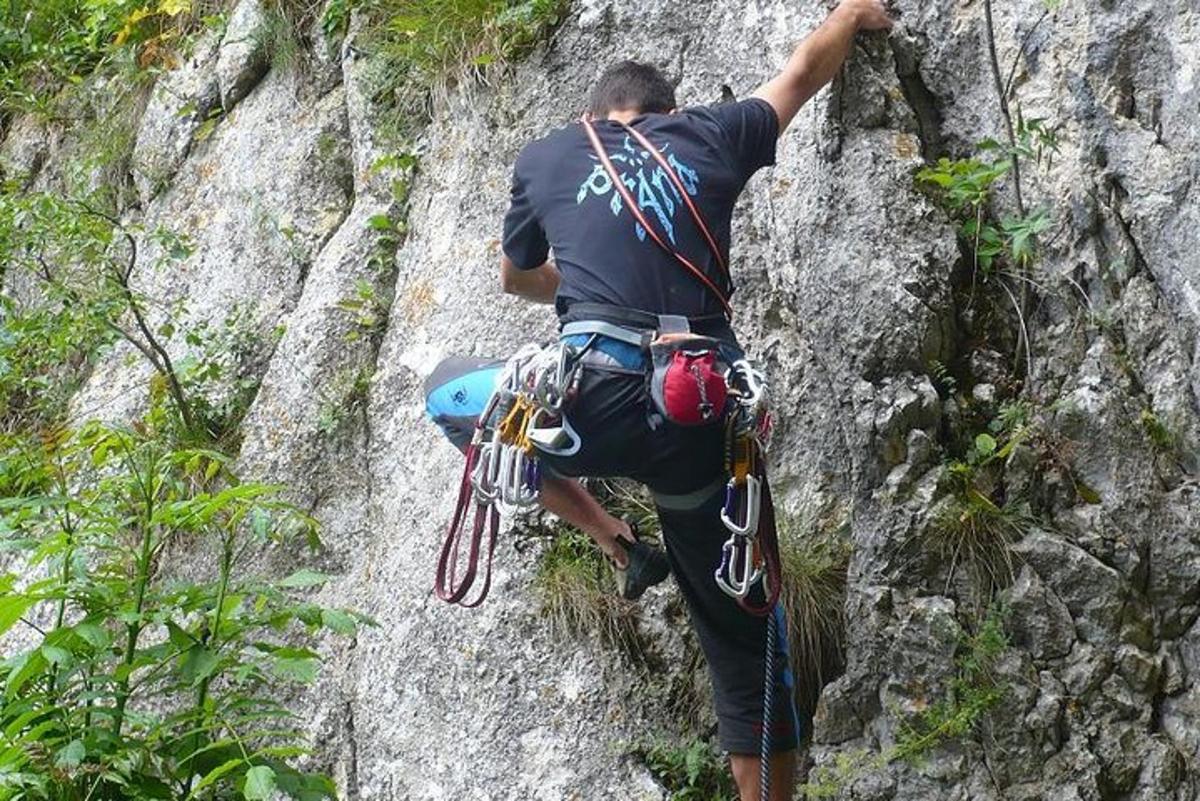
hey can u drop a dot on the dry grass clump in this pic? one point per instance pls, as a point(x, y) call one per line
point(814, 551)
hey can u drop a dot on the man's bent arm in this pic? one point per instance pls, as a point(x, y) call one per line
point(818, 58)
point(539, 284)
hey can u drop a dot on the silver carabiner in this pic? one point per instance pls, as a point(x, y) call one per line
point(749, 523)
point(737, 573)
point(557, 440)
point(517, 482)
point(485, 474)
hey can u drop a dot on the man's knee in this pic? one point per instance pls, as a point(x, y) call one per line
point(456, 393)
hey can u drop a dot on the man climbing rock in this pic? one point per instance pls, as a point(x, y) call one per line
point(635, 202)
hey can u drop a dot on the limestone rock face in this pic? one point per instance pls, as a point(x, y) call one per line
point(242, 59)
point(854, 293)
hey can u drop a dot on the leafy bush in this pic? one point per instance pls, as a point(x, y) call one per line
point(138, 685)
point(46, 44)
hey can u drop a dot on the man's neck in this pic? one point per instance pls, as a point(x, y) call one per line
point(625, 115)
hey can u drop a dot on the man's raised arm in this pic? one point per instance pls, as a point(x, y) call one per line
point(818, 58)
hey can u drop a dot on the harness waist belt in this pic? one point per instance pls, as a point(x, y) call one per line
point(637, 322)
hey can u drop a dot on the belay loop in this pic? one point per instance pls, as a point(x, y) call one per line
point(502, 474)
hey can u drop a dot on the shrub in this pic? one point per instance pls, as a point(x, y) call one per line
point(138, 686)
point(426, 46)
point(579, 596)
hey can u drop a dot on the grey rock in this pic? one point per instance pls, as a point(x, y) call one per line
point(1091, 590)
point(1038, 620)
point(183, 100)
point(984, 393)
point(243, 58)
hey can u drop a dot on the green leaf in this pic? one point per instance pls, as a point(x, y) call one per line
point(93, 634)
point(25, 668)
point(178, 637)
point(985, 444)
point(216, 774)
point(71, 755)
point(260, 783)
point(339, 621)
point(302, 670)
point(1086, 492)
point(380, 222)
point(198, 664)
point(56, 655)
point(304, 578)
point(11, 609)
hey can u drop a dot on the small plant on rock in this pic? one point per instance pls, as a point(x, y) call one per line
point(974, 690)
point(690, 771)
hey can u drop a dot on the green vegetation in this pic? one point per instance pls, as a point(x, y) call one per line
point(424, 47)
point(578, 594)
point(972, 525)
point(345, 399)
point(1159, 435)
point(140, 684)
point(814, 555)
point(46, 45)
point(690, 771)
point(972, 693)
point(83, 259)
point(965, 188)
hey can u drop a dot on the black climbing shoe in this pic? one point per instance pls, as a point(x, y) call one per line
point(647, 567)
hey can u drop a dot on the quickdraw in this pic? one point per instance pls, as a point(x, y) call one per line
point(751, 554)
point(502, 474)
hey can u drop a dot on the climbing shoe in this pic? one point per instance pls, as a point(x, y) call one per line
point(647, 566)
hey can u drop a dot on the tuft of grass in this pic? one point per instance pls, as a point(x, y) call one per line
point(689, 771)
point(815, 555)
point(1157, 432)
point(969, 528)
point(345, 399)
point(426, 47)
point(578, 594)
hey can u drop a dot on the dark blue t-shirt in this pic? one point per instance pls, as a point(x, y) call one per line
point(562, 198)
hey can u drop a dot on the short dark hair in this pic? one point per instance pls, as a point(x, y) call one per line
point(631, 85)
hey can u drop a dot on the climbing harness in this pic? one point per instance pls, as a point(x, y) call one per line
point(502, 474)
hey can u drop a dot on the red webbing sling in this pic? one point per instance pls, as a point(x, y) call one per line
point(636, 211)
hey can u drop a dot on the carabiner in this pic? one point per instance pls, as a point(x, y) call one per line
point(752, 507)
point(515, 491)
point(485, 478)
point(737, 556)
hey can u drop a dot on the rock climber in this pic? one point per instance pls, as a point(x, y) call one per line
point(608, 267)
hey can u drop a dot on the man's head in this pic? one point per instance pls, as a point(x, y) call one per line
point(630, 86)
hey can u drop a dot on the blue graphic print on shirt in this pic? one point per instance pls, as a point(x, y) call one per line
point(648, 182)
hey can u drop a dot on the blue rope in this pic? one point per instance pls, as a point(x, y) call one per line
point(764, 754)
